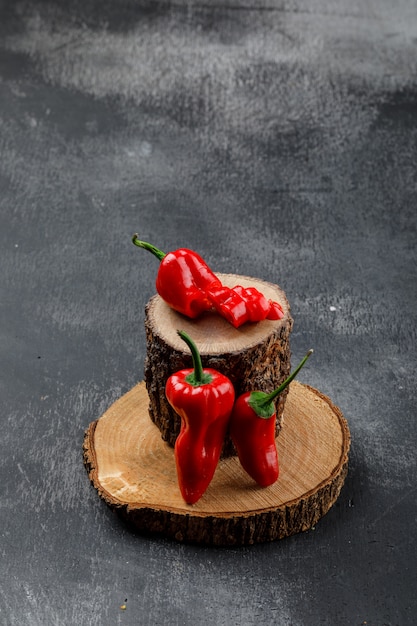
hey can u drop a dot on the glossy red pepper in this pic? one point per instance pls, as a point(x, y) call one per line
point(203, 398)
point(257, 305)
point(276, 311)
point(252, 429)
point(182, 280)
point(243, 304)
point(229, 304)
point(186, 283)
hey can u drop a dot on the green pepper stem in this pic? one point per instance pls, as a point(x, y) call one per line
point(148, 246)
point(271, 396)
point(198, 377)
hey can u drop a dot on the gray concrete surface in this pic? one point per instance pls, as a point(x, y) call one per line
point(279, 140)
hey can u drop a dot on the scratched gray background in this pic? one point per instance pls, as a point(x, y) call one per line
point(278, 139)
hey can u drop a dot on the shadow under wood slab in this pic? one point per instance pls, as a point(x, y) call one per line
point(134, 472)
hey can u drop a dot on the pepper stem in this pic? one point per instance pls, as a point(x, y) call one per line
point(271, 396)
point(263, 403)
point(148, 246)
point(198, 376)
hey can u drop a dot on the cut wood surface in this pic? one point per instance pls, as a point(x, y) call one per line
point(254, 356)
point(133, 470)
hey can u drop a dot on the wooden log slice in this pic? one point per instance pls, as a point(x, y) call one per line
point(254, 356)
point(133, 470)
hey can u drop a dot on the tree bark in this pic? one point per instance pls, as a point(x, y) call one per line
point(254, 356)
point(133, 471)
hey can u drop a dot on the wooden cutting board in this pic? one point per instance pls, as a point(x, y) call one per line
point(133, 471)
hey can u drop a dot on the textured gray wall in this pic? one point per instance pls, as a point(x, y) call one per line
point(279, 140)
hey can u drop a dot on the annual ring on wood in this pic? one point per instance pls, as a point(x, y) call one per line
point(133, 471)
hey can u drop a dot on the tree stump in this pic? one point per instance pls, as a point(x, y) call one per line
point(254, 356)
point(133, 470)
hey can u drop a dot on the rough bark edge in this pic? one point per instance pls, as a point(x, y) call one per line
point(230, 530)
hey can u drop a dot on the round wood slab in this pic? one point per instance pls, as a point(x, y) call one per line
point(133, 470)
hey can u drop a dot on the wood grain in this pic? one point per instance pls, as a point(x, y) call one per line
point(134, 472)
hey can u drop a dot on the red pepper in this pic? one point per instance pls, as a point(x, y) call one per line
point(256, 304)
point(276, 311)
point(229, 304)
point(252, 429)
point(203, 398)
point(186, 283)
point(243, 304)
point(182, 280)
